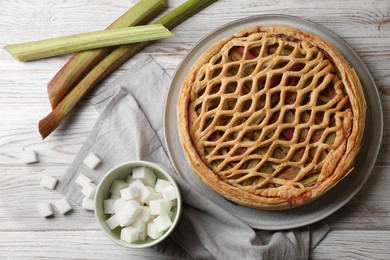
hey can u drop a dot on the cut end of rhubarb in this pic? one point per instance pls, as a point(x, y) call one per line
point(48, 124)
point(54, 97)
point(55, 94)
point(9, 49)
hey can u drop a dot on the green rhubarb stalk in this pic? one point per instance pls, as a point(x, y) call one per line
point(331, 138)
point(287, 50)
point(212, 104)
point(183, 12)
point(324, 99)
point(289, 116)
point(231, 87)
point(266, 169)
point(87, 41)
point(48, 124)
point(277, 153)
point(209, 150)
point(256, 135)
point(207, 123)
point(224, 151)
point(253, 164)
point(81, 63)
point(305, 116)
point(273, 48)
point(309, 181)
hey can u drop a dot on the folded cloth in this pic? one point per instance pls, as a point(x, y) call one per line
point(130, 128)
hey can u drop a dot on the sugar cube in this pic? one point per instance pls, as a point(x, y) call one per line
point(63, 206)
point(148, 193)
point(140, 225)
point(123, 220)
point(108, 206)
point(169, 193)
point(151, 231)
point(146, 175)
point(131, 209)
point(138, 184)
point(162, 222)
point(112, 222)
point(88, 204)
point(29, 156)
point(142, 235)
point(129, 234)
point(92, 161)
point(129, 193)
point(145, 214)
point(45, 209)
point(160, 183)
point(129, 179)
point(116, 186)
point(49, 182)
point(82, 180)
point(89, 190)
point(118, 205)
point(158, 207)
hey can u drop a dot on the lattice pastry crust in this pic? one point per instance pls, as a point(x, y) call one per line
point(271, 117)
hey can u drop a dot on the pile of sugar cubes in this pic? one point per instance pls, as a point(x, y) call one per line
point(142, 205)
point(88, 188)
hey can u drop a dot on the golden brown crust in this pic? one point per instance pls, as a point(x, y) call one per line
point(234, 147)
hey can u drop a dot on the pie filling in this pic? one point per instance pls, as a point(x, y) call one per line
point(266, 112)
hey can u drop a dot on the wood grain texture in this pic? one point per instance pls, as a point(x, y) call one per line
point(354, 245)
point(360, 230)
point(68, 245)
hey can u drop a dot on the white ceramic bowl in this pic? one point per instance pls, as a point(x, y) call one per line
point(103, 192)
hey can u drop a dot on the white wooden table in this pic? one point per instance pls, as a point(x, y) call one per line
point(361, 229)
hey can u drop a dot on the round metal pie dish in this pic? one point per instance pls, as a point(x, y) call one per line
point(328, 203)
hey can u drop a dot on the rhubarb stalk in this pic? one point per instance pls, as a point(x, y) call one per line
point(87, 41)
point(81, 63)
point(48, 124)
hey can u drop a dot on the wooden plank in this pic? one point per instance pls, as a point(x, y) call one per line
point(18, 131)
point(369, 209)
point(70, 245)
point(20, 193)
point(64, 17)
point(354, 245)
point(93, 245)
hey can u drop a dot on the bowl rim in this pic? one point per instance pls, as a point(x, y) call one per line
point(133, 164)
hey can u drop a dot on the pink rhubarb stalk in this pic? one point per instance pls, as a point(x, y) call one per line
point(115, 59)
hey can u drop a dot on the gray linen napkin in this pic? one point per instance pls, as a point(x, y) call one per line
point(130, 128)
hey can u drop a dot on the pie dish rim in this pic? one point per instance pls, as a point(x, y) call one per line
point(325, 205)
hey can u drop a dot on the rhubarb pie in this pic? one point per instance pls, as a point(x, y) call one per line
point(271, 117)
